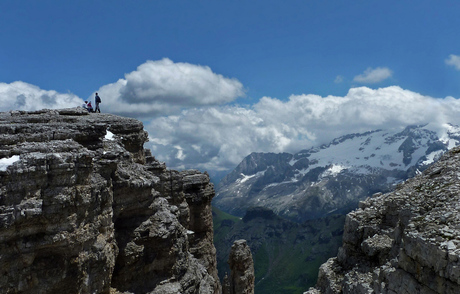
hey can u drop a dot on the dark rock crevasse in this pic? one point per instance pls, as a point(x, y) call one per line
point(84, 208)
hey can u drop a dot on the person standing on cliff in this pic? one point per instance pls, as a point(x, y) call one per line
point(98, 101)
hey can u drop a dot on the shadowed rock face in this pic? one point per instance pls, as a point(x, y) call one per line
point(262, 212)
point(407, 241)
point(241, 280)
point(84, 208)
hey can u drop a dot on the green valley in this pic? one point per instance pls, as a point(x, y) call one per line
point(287, 255)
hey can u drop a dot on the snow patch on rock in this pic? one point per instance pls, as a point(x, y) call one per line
point(6, 162)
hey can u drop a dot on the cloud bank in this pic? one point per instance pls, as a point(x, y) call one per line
point(186, 110)
point(372, 76)
point(23, 96)
point(163, 87)
point(218, 138)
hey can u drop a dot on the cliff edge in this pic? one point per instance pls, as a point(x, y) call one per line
point(406, 241)
point(84, 208)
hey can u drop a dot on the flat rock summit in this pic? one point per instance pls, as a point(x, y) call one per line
point(84, 208)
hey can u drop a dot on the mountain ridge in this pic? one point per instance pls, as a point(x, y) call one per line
point(335, 176)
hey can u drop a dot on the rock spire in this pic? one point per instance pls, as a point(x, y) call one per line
point(241, 280)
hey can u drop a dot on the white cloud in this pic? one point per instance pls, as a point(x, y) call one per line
point(202, 131)
point(23, 96)
point(226, 134)
point(339, 79)
point(163, 87)
point(453, 60)
point(373, 75)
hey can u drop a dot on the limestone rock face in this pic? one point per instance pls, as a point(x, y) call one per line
point(84, 208)
point(407, 241)
point(242, 277)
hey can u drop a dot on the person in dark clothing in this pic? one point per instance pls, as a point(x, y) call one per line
point(98, 101)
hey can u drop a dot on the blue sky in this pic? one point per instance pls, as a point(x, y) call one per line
point(275, 48)
point(235, 53)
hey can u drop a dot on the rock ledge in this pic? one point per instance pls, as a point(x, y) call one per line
point(84, 208)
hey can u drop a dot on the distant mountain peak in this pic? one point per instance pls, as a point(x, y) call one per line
point(333, 176)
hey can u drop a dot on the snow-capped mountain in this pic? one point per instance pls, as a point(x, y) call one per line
point(332, 177)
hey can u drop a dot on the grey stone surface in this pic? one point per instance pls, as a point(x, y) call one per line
point(84, 208)
point(241, 280)
point(406, 241)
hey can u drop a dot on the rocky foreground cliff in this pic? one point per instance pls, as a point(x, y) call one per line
point(84, 208)
point(407, 241)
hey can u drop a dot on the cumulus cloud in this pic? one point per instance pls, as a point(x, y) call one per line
point(373, 75)
point(164, 87)
point(218, 138)
point(203, 131)
point(23, 96)
point(453, 60)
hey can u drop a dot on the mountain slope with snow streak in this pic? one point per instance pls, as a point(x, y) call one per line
point(332, 177)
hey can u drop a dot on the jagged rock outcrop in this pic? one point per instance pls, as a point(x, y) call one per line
point(407, 241)
point(241, 280)
point(84, 208)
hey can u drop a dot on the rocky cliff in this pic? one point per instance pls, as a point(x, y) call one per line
point(84, 208)
point(407, 241)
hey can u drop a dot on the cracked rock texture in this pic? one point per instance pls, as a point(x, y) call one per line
point(406, 241)
point(241, 280)
point(84, 208)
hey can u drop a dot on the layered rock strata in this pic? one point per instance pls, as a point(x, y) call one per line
point(407, 241)
point(84, 208)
